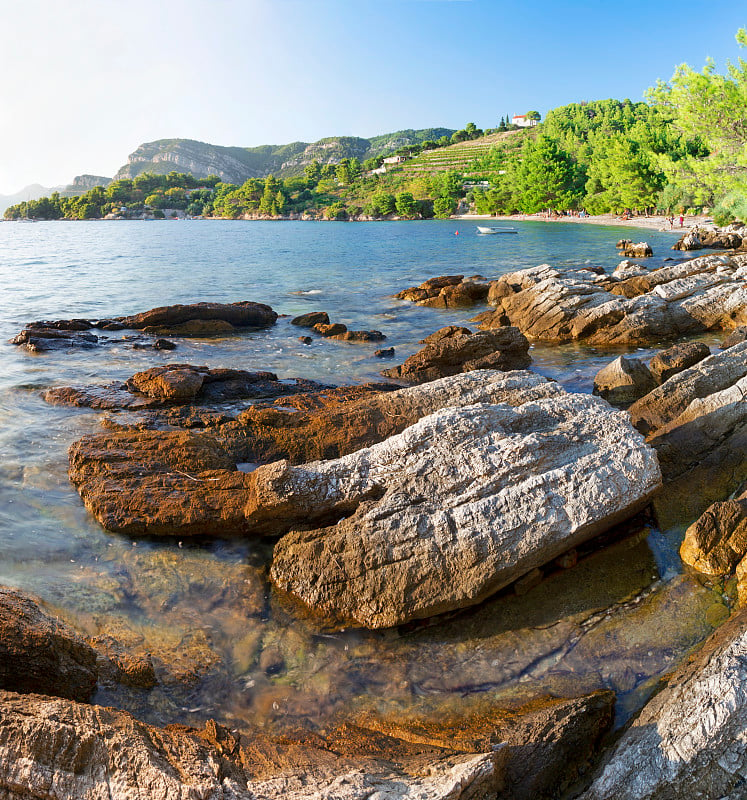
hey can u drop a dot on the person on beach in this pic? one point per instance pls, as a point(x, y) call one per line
point(682, 220)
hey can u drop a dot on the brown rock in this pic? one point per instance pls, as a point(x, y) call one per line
point(193, 327)
point(311, 319)
point(39, 653)
point(717, 540)
point(386, 352)
point(359, 336)
point(244, 314)
point(171, 382)
point(82, 751)
point(737, 336)
point(623, 381)
point(334, 329)
point(305, 339)
point(179, 483)
point(630, 249)
point(667, 363)
point(460, 295)
point(39, 338)
point(454, 352)
point(429, 288)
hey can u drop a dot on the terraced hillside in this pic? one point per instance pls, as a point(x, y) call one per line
point(462, 156)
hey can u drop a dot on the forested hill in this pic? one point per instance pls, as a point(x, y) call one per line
point(237, 164)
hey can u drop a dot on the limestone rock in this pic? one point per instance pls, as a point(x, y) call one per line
point(546, 304)
point(179, 483)
point(717, 540)
point(689, 739)
point(359, 336)
point(735, 337)
point(57, 748)
point(418, 537)
point(39, 338)
point(667, 363)
point(623, 381)
point(39, 653)
point(689, 241)
point(630, 249)
point(172, 382)
point(461, 295)
point(429, 288)
point(452, 351)
point(334, 329)
point(628, 269)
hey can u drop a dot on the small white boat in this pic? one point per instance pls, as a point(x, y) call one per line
point(483, 230)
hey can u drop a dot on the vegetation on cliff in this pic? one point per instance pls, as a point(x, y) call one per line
point(683, 149)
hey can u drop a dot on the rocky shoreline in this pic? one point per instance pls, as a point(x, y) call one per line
point(463, 475)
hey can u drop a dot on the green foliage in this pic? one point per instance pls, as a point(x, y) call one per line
point(406, 205)
point(732, 208)
point(545, 177)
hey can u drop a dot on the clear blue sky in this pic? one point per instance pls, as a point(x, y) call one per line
point(83, 82)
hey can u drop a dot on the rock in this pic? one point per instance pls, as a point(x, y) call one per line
point(311, 319)
point(452, 351)
point(623, 381)
point(697, 421)
point(721, 240)
point(334, 329)
point(244, 314)
point(550, 741)
point(179, 383)
point(667, 363)
point(159, 344)
point(528, 582)
point(461, 295)
point(39, 338)
point(688, 740)
point(735, 337)
point(717, 540)
point(271, 661)
point(414, 538)
point(39, 653)
point(689, 241)
point(681, 299)
point(179, 483)
point(628, 269)
point(429, 288)
point(57, 748)
point(359, 336)
point(171, 382)
point(386, 352)
point(629, 249)
point(305, 339)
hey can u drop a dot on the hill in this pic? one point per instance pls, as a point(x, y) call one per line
point(237, 164)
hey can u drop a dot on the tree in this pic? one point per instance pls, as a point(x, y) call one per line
point(313, 171)
point(533, 115)
point(406, 205)
point(385, 203)
point(545, 177)
point(444, 207)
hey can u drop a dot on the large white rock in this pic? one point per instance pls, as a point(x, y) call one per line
point(457, 506)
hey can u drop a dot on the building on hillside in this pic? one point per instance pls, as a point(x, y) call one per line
point(395, 159)
point(522, 121)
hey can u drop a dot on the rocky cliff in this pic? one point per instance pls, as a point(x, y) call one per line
point(236, 164)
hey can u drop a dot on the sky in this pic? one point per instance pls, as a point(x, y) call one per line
point(84, 82)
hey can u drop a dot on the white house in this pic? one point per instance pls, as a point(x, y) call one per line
point(395, 159)
point(522, 121)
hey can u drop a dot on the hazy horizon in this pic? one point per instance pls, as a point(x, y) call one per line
point(86, 83)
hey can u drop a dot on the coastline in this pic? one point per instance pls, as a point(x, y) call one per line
point(653, 223)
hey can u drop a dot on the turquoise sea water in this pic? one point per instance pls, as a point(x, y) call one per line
point(205, 611)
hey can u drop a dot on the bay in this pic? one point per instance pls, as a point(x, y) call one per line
point(223, 646)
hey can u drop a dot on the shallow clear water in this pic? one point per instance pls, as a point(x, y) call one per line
point(223, 645)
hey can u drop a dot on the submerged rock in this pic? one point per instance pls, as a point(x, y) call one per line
point(178, 483)
point(689, 740)
point(51, 747)
point(311, 319)
point(39, 653)
point(623, 381)
point(452, 350)
point(417, 537)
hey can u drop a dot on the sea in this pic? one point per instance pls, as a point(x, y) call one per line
point(223, 646)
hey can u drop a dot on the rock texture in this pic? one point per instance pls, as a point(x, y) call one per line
point(697, 421)
point(691, 297)
point(631, 249)
point(623, 381)
point(39, 653)
point(717, 541)
point(669, 362)
point(457, 506)
point(52, 748)
point(452, 350)
point(178, 482)
point(689, 740)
